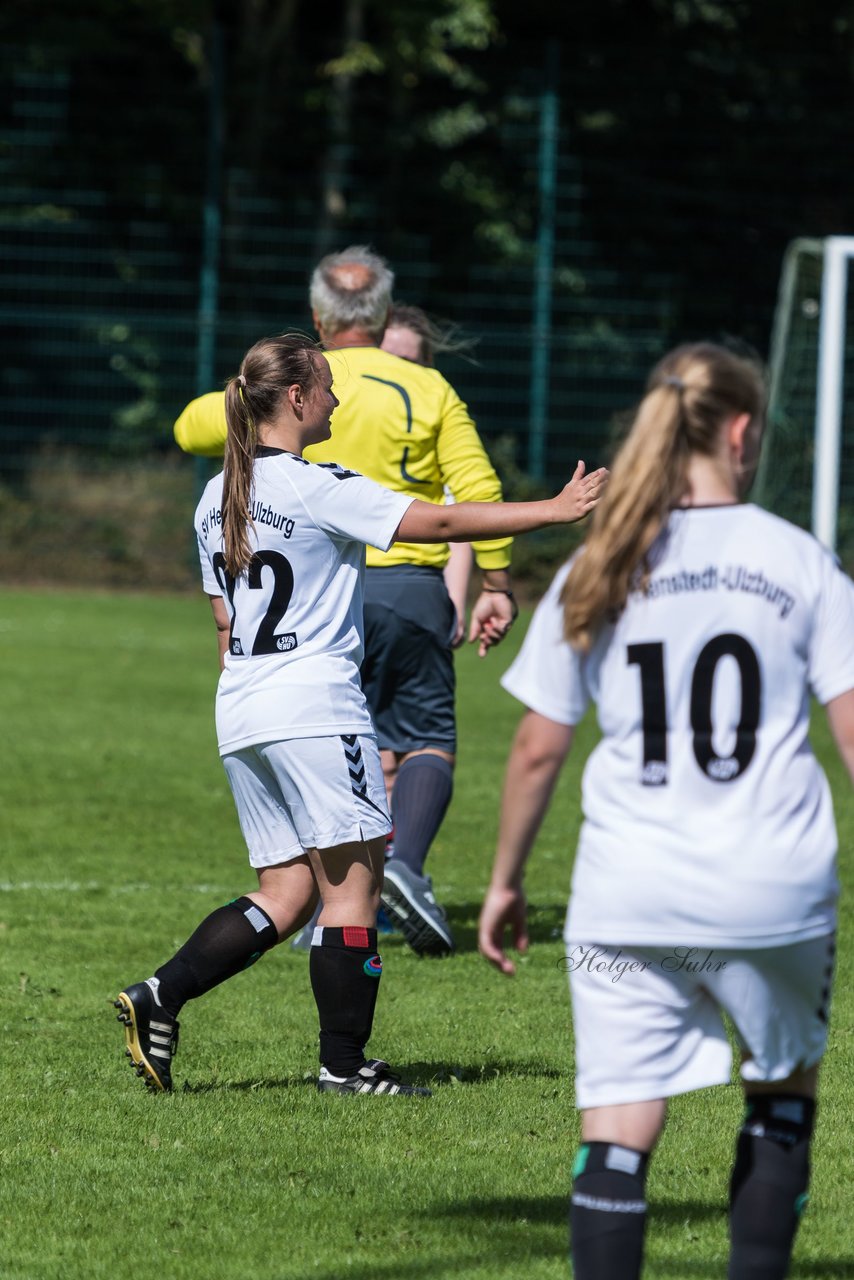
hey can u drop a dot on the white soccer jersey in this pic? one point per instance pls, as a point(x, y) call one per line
point(292, 667)
point(707, 819)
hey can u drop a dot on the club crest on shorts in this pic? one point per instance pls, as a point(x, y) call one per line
point(373, 967)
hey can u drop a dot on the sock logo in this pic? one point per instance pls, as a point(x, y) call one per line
point(373, 967)
point(354, 936)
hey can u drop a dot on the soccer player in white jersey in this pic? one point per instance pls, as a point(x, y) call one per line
point(282, 549)
point(705, 877)
point(412, 335)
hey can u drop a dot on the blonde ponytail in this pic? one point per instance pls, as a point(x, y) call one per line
point(690, 394)
point(253, 398)
point(240, 444)
point(649, 469)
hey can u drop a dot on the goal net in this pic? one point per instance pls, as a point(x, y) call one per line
point(807, 468)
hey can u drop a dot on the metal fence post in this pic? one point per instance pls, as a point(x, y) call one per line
point(544, 265)
point(211, 228)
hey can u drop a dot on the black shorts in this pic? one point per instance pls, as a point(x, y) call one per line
point(408, 668)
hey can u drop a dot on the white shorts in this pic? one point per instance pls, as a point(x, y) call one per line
point(307, 793)
point(648, 1020)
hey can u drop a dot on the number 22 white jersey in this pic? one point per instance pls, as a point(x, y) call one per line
point(707, 819)
point(296, 639)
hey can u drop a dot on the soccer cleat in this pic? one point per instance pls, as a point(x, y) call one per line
point(408, 899)
point(375, 1076)
point(151, 1038)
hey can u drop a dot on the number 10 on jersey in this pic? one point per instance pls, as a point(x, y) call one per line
point(649, 658)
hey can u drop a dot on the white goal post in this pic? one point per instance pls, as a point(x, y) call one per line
point(831, 256)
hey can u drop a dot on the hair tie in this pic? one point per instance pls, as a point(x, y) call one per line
point(672, 381)
point(241, 379)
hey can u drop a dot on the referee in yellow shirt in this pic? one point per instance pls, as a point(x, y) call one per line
point(404, 426)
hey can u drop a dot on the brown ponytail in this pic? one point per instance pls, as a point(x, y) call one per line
point(690, 393)
point(252, 398)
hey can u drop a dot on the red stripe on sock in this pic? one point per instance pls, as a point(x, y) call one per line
point(355, 937)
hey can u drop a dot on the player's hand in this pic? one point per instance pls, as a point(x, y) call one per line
point(502, 909)
point(491, 619)
point(458, 634)
point(580, 496)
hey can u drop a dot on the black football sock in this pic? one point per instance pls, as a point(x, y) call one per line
point(345, 972)
point(227, 941)
point(419, 801)
point(607, 1214)
point(768, 1190)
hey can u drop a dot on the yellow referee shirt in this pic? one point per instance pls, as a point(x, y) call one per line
point(400, 424)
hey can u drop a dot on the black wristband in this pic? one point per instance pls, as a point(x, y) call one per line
point(504, 591)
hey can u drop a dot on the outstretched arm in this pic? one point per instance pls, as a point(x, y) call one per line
point(475, 521)
point(539, 749)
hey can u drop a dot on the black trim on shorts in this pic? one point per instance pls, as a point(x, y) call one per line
point(356, 766)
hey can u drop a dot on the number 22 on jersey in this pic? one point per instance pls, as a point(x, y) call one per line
point(267, 640)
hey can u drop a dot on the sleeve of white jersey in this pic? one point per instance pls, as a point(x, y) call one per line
point(831, 655)
point(209, 579)
point(546, 675)
point(348, 505)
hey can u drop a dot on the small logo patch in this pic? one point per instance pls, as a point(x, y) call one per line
point(373, 967)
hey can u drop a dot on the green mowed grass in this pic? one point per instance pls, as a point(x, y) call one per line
point(119, 835)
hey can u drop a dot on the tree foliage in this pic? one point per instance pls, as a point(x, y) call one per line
point(696, 137)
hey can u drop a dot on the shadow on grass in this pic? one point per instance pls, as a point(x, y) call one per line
point(433, 1074)
point(248, 1086)
point(509, 1230)
point(554, 1209)
point(519, 1229)
point(461, 1073)
point(433, 1266)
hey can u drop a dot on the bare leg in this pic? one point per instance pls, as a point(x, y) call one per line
point(288, 894)
point(632, 1124)
point(349, 878)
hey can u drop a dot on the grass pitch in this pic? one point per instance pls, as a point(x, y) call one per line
point(119, 835)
